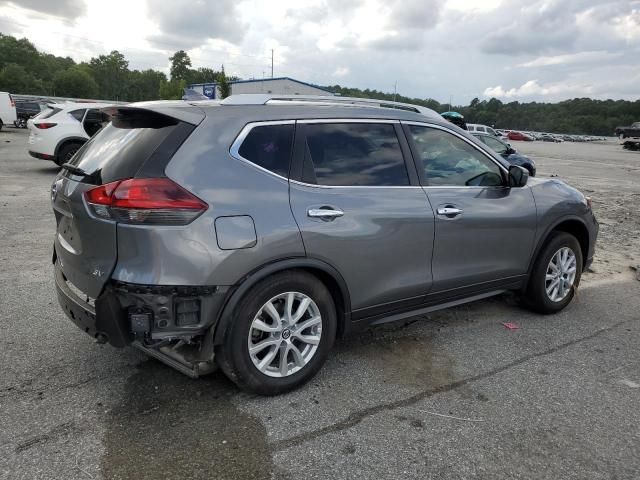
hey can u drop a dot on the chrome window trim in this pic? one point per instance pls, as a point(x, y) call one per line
point(349, 120)
point(304, 184)
point(481, 150)
point(234, 150)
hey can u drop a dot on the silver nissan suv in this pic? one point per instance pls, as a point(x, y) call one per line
point(248, 234)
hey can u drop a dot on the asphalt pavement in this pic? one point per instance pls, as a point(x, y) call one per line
point(450, 395)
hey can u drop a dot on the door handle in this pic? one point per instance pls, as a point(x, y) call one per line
point(449, 211)
point(324, 213)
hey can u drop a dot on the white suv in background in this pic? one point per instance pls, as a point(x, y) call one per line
point(59, 131)
point(7, 109)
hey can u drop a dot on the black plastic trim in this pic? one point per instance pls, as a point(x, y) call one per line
point(157, 162)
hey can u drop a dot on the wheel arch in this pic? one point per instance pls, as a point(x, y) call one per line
point(328, 275)
point(573, 225)
point(66, 141)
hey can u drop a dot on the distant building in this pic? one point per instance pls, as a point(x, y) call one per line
point(278, 86)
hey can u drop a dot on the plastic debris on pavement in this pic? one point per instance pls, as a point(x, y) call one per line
point(511, 325)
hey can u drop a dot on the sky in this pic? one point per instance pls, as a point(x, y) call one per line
point(524, 50)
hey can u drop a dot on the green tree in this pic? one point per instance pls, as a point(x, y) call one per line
point(144, 85)
point(223, 84)
point(180, 63)
point(201, 75)
point(16, 79)
point(75, 82)
point(111, 73)
point(172, 90)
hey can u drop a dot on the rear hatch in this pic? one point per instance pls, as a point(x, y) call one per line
point(138, 143)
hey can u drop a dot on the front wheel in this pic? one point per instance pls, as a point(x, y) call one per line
point(556, 274)
point(281, 334)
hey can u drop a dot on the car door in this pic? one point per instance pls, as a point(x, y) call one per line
point(484, 231)
point(362, 210)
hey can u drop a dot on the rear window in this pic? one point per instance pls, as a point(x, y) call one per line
point(123, 147)
point(49, 113)
point(269, 146)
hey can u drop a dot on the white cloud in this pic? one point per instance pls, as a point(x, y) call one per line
point(341, 72)
point(571, 58)
point(532, 88)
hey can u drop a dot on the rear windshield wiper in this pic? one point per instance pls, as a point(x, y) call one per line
point(75, 170)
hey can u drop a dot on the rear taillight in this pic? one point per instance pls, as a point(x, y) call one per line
point(44, 125)
point(145, 201)
point(13, 102)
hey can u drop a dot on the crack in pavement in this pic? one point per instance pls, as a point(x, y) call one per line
point(357, 417)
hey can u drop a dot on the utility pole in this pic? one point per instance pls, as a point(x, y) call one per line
point(395, 90)
point(272, 63)
point(450, 100)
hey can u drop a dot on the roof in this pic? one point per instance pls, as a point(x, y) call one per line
point(80, 105)
point(259, 80)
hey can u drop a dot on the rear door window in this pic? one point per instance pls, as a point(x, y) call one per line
point(353, 154)
point(269, 147)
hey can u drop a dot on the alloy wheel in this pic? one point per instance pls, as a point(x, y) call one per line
point(285, 334)
point(561, 273)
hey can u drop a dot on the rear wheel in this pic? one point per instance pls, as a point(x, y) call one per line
point(67, 152)
point(556, 274)
point(280, 335)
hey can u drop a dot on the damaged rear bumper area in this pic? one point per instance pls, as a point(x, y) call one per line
point(169, 323)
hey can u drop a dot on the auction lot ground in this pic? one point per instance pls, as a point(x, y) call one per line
point(449, 395)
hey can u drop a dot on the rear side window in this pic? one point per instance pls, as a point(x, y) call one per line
point(353, 154)
point(121, 149)
point(269, 146)
point(78, 114)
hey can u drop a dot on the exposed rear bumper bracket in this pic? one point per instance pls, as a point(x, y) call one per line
point(172, 358)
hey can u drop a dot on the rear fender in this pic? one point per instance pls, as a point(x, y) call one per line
point(226, 316)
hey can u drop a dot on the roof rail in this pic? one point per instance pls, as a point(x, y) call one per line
point(265, 99)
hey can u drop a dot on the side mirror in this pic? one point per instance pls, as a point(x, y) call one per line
point(518, 176)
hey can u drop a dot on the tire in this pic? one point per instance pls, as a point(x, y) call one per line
point(22, 123)
point(233, 355)
point(66, 153)
point(536, 296)
point(1, 125)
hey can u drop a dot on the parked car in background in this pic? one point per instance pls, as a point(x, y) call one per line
point(253, 232)
point(7, 109)
point(27, 110)
point(58, 132)
point(475, 127)
point(514, 135)
point(545, 137)
point(507, 152)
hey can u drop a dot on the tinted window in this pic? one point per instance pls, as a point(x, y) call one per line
point(78, 114)
point(354, 154)
point(480, 129)
point(122, 147)
point(496, 145)
point(450, 161)
point(269, 146)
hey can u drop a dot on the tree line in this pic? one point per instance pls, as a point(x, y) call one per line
point(582, 116)
point(25, 70)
